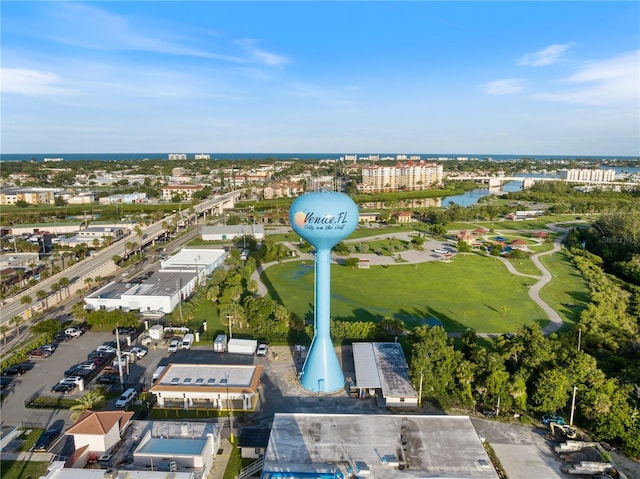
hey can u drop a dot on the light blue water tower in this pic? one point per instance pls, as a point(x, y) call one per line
point(323, 218)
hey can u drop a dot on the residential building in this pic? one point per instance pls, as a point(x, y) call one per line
point(96, 433)
point(32, 196)
point(587, 175)
point(283, 189)
point(184, 191)
point(403, 217)
point(407, 176)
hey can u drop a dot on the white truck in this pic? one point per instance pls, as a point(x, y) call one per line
point(242, 346)
point(157, 373)
point(187, 341)
point(220, 343)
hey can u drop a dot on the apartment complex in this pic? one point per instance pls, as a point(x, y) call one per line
point(184, 191)
point(33, 196)
point(407, 176)
point(586, 175)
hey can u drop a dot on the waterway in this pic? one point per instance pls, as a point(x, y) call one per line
point(472, 197)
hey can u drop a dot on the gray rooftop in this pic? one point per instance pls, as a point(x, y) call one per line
point(383, 365)
point(372, 446)
point(207, 375)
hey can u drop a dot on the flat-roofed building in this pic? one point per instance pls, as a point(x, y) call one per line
point(231, 232)
point(381, 368)
point(408, 176)
point(376, 446)
point(175, 446)
point(209, 386)
point(202, 261)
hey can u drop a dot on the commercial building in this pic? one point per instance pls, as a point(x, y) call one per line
point(194, 260)
point(382, 371)
point(208, 386)
point(376, 446)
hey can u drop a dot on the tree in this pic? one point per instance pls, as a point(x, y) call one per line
point(78, 312)
point(27, 300)
point(17, 321)
point(55, 287)
point(64, 284)
point(21, 204)
point(85, 403)
point(42, 295)
point(4, 330)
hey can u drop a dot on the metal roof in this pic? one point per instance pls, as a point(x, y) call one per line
point(383, 365)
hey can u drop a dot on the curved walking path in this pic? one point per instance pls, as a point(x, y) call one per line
point(415, 256)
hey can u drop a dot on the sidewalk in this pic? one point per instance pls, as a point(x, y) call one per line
point(221, 460)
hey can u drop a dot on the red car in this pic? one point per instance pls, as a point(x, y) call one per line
point(38, 353)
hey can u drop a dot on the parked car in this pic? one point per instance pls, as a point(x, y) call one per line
point(108, 379)
point(125, 330)
point(48, 347)
point(38, 354)
point(88, 365)
point(73, 370)
point(103, 355)
point(62, 337)
point(106, 348)
point(74, 332)
point(63, 387)
point(73, 380)
point(17, 370)
point(50, 435)
point(138, 352)
point(262, 349)
point(174, 345)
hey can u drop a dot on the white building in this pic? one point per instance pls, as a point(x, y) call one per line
point(162, 292)
point(195, 260)
point(375, 446)
point(587, 175)
point(208, 386)
point(96, 433)
point(175, 446)
point(232, 232)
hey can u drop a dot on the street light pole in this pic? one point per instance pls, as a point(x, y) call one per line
point(573, 405)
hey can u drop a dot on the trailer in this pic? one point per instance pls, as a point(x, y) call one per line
point(156, 332)
point(242, 346)
point(220, 343)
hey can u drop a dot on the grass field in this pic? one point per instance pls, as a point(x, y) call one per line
point(472, 291)
point(22, 469)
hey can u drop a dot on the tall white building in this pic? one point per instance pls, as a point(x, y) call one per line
point(407, 176)
point(587, 175)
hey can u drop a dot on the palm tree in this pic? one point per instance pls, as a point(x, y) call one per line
point(4, 330)
point(64, 284)
point(27, 300)
point(55, 287)
point(85, 403)
point(42, 295)
point(17, 321)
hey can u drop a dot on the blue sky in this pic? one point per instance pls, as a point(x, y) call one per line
point(400, 77)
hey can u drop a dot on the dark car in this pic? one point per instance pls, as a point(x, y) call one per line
point(50, 435)
point(38, 354)
point(108, 379)
point(72, 370)
point(62, 338)
point(17, 370)
point(103, 355)
point(125, 331)
point(63, 387)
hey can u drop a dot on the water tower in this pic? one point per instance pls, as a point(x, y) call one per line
point(323, 218)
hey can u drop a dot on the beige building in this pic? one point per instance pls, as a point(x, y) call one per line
point(33, 196)
point(408, 176)
point(185, 191)
point(282, 190)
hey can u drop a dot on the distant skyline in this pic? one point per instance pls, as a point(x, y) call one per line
point(537, 78)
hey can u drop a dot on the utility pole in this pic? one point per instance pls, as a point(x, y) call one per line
point(579, 337)
point(420, 393)
point(119, 358)
point(573, 405)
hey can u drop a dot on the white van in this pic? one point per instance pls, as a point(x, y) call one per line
point(187, 341)
point(157, 373)
point(127, 397)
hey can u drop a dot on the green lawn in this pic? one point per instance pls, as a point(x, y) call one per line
point(567, 292)
point(472, 291)
point(22, 469)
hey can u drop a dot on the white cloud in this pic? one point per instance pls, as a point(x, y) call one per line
point(508, 86)
point(547, 56)
point(262, 56)
point(29, 82)
point(612, 81)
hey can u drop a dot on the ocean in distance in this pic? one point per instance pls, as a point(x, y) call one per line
point(295, 156)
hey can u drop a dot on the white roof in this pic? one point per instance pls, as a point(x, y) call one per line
point(194, 257)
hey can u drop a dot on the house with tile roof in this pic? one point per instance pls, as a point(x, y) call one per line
point(96, 432)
